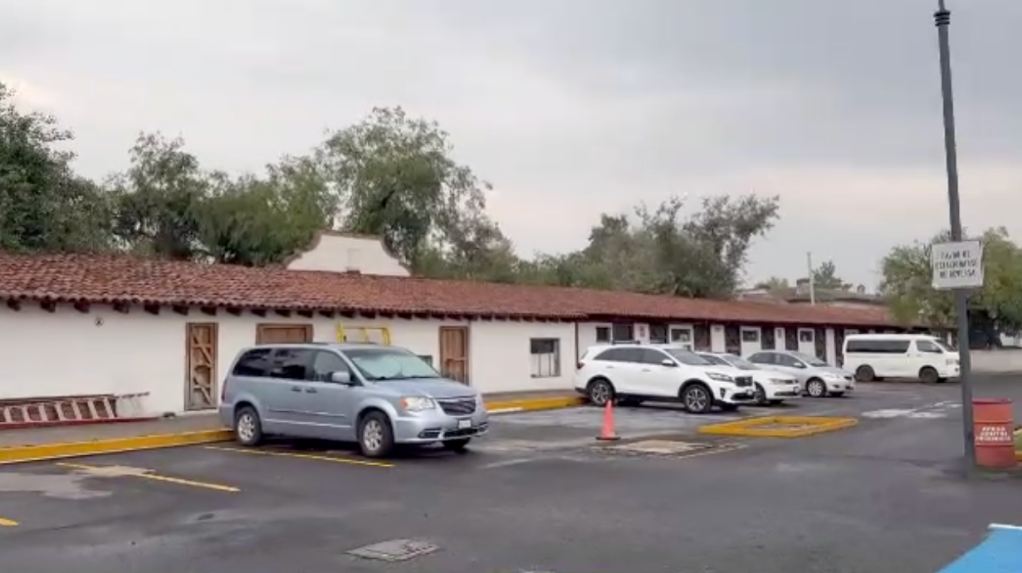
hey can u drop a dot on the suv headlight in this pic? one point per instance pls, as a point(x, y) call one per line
point(417, 403)
point(719, 377)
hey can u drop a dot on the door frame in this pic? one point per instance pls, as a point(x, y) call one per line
point(467, 344)
point(214, 366)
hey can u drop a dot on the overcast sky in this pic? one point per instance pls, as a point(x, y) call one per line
point(570, 107)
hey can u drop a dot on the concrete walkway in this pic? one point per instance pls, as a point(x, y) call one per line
point(210, 421)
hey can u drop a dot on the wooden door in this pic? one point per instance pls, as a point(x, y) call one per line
point(283, 333)
point(454, 353)
point(201, 357)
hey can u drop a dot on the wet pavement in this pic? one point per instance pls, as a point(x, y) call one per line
point(538, 495)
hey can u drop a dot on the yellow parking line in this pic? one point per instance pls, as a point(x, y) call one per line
point(303, 457)
point(155, 477)
point(8, 522)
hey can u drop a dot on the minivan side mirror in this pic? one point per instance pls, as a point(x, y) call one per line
point(341, 377)
point(668, 362)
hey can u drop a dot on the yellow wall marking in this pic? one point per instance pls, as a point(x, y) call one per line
point(303, 457)
point(8, 523)
point(147, 474)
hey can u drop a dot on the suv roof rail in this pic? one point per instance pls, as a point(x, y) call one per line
point(627, 342)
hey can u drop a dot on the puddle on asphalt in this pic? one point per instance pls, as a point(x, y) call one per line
point(71, 485)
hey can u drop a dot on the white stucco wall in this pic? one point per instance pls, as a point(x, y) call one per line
point(718, 340)
point(66, 353)
point(340, 253)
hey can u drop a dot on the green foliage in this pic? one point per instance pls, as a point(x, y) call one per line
point(44, 205)
point(908, 286)
point(774, 285)
point(825, 277)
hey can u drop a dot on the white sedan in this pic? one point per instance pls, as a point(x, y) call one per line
point(772, 387)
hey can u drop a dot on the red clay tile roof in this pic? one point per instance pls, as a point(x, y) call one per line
point(123, 279)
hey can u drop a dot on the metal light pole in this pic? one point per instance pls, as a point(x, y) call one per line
point(943, 20)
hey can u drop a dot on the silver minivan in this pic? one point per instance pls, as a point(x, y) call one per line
point(378, 396)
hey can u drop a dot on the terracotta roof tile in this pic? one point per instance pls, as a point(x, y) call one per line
point(115, 278)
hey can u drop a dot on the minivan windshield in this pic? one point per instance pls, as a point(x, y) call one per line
point(810, 360)
point(688, 357)
point(381, 364)
point(944, 345)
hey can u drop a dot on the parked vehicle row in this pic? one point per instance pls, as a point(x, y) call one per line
point(634, 373)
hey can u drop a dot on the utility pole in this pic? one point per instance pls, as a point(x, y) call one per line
point(943, 20)
point(812, 279)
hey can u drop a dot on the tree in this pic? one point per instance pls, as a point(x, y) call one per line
point(396, 179)
point(44, 205)
point(908, 286)
point(825, 277)
point(774, 285)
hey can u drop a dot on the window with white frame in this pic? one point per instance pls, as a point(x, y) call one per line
point(546, 357)
point(805, 335)
point(602, 334)
point(750, 335)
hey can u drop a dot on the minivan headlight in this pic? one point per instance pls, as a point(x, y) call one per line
point(417, 403)
point(719, 377)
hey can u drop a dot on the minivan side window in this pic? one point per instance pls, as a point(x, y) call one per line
point(254, 363)
point(876, 346)
point(763, 358)
point(927, 346)
point(292, 364)
point(325, 363)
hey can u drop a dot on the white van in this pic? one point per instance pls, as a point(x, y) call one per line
point(879, 356)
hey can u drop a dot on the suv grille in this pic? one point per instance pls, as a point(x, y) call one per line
point(457, 406)
point(743, 381)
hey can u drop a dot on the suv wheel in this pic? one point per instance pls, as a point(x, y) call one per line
point(248, 428)
point(697, 399)
point(600, 392)
point(375, 436)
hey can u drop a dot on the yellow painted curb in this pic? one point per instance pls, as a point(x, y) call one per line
point(752, 427)
point(531, 404)
point(21, 454)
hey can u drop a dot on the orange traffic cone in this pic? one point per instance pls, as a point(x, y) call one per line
point(607, 433)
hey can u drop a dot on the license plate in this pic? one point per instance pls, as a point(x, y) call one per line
point(464, 424)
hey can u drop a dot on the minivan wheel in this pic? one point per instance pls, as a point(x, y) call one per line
point(864, 374)
point(248, 428)
point(375, 436)
point(600, 392)
point(816, 388)
point(697, 399)
point(929, 375)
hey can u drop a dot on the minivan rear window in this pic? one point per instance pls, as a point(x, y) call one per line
point(255, 363)
point(876, 346)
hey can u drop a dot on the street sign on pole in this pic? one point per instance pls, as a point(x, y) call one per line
point(957, 265)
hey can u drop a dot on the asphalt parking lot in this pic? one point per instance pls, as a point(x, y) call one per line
point(537, 495)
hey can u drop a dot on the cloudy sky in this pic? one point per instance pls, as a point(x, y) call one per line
point(570, 107)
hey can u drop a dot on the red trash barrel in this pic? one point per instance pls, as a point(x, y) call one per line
point(993, 424)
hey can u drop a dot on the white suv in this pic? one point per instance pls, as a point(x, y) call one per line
point(660, 372)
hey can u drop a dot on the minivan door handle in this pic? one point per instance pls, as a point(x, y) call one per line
point(311, 391)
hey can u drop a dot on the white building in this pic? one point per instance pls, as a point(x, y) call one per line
point(77, 325)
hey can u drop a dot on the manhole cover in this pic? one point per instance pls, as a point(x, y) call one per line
point(661, 447)
point(395, 550)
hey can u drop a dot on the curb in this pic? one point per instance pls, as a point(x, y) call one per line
point(534, 404)
point(42, 452)
point(750, 428)
point(56, 451)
